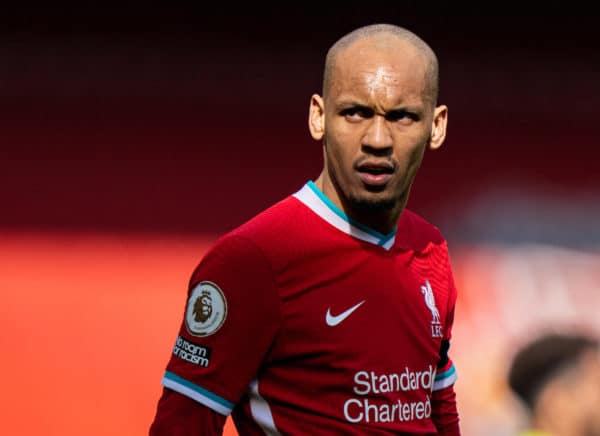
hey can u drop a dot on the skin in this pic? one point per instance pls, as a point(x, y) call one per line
point(568, 405)
point(378, 113)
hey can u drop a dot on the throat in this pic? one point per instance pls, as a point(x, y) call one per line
point(381, 216)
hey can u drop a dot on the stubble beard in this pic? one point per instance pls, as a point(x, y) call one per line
point(362, 204)
point(371, 205)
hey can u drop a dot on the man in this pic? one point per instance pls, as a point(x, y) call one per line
point(557, 376)
point(355, 294)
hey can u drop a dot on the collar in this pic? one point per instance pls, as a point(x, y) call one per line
point(315, 200)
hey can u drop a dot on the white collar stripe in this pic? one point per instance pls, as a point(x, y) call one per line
point(315, 200)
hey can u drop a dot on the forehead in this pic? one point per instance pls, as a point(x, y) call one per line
point(393, 71)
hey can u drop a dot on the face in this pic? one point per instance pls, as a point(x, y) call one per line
point(570, 403)
point(588, 395)
point(375, 123)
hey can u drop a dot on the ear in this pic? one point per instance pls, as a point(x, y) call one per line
point(316, 117)
point(438, 128)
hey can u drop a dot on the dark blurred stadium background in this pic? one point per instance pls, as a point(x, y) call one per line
point(130, 138)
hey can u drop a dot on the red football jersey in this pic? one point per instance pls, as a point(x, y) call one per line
point(302, 321)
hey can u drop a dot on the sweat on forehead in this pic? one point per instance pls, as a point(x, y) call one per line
point(384, 37)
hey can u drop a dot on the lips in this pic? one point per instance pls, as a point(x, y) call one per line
point(375, 172)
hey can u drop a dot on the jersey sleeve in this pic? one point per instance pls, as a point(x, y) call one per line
point(230, 320)
point(178, 415)
point(444, 413)
point(446, 372)
point(443, 403)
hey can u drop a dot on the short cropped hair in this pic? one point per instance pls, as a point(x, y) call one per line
point(544, 359)
point(384, 29)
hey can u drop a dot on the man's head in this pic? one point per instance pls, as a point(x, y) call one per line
point(557, 376)
point(376, 117)
point(383, 32)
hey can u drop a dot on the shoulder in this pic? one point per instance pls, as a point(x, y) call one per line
point(231, 255)
point(416, 233)
point(427, 243)
point(252, 242)
point(277, 218)
point(279, 228)
point(430, 253)
point(236, 271)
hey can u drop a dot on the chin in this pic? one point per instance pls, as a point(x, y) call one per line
point(372, 203)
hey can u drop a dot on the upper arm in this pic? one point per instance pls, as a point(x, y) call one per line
point(229, 322)
point(443, 402)
point(178, 415)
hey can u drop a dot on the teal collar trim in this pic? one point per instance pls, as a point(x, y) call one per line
point(312, 197)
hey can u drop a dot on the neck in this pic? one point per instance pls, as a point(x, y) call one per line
point(384, 221)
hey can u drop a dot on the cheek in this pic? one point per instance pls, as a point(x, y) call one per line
point(337, 162)
point(410, 148)
point(340, 149)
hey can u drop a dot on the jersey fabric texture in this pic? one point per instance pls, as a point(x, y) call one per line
point(302, 321)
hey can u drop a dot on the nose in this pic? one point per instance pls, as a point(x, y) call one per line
point(377, 138)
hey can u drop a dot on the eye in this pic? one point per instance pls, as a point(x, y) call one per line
point(356, 113)
point(401, 115)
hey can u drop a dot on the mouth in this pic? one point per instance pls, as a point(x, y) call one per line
point(375, 173)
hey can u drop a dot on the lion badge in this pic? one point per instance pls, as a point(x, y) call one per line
point(206, 309)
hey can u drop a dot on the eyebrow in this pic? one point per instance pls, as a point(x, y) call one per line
point(345, 104)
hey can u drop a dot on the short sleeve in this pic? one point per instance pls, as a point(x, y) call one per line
point(446, 372)
point(230, 320)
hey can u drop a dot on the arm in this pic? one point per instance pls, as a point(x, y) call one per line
point(178, 415)
point(444, 412)
point(214, 358)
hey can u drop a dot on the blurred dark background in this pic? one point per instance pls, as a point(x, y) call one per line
point(190, 119)
point(132, 136)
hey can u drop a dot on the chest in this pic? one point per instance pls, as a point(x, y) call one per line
point(357, 308)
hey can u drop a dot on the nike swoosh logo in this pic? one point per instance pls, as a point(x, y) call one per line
point(332, 320)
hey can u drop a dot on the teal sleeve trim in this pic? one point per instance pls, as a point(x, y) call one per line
point(200, 390)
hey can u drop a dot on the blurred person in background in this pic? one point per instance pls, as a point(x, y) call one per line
point(557, 377)
point(331, 312)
